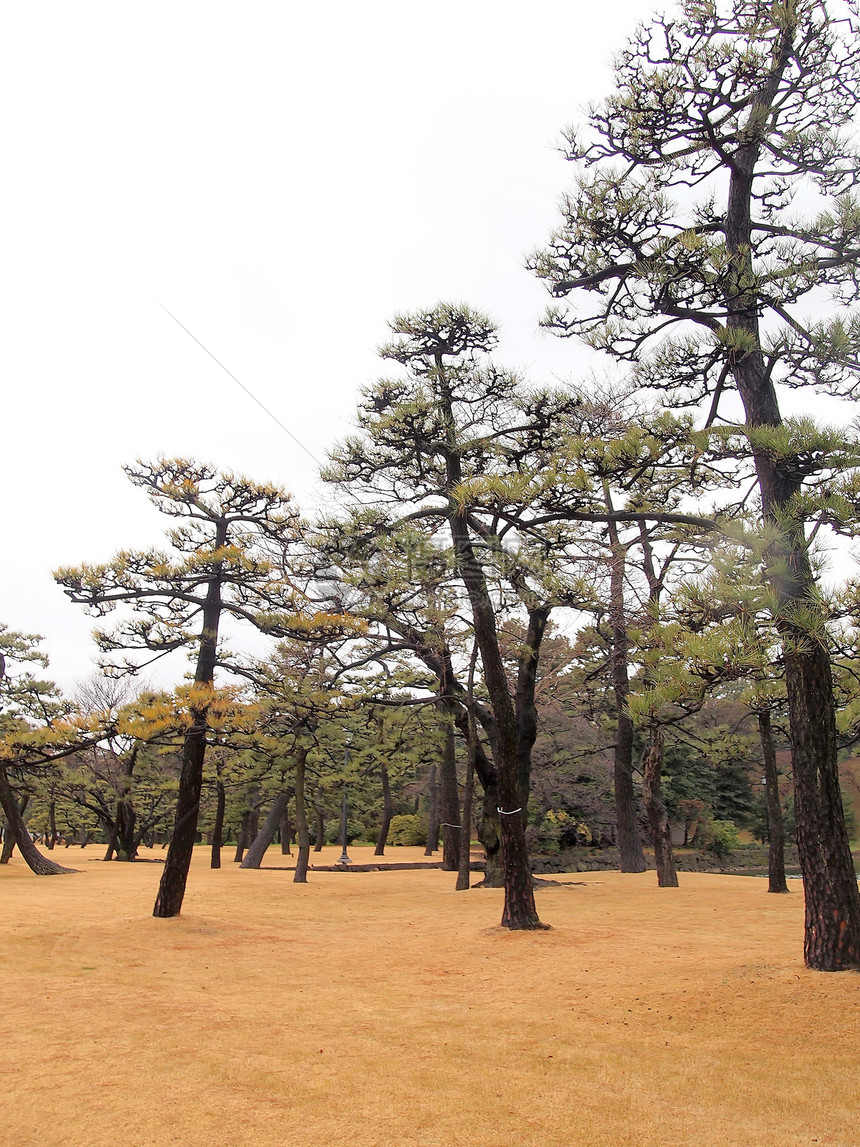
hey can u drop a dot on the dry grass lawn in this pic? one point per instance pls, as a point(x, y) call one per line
point(387, 1009)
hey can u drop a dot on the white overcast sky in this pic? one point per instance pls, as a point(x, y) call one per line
point(281, 177)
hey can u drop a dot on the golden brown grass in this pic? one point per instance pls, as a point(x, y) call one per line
point(387, 1009)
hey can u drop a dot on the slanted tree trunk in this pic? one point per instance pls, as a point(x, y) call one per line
point(661, 836)
point(266, 835)
point(18, 834)
point(776, 881)
point(387, 809)
point(218, 827)
point(111, 844)
point(301, 876)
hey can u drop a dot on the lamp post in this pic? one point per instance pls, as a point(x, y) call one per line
point(344, 811)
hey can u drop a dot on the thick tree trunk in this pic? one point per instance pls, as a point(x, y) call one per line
point(301, 876)
point(258, 846)
point(832, 916)
point(450, 801)
point(125, 822)
point(125, 817)
point(520, 911)
point(626, 817)
point(18, 834)
point(432, 814)
point(490, 836)
point(218, 827)
point(111, 844)
point(832, 923)
point(171, 890)
point(661, 836)
point(775, 827)
point(387, 810)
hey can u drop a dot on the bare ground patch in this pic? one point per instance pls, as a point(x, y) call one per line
point(385, 1009)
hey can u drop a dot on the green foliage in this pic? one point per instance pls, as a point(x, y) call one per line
point(355, 830)
point(721, 837)
point(558, 831)
point(409, 830)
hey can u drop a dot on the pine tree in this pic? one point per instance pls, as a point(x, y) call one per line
point(220, 566)
point(686, 258)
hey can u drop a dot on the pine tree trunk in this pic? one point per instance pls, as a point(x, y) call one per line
point(520, 911)
point(18, 834)
point(432, 814)
point(218, 827)
point(171, 890)
point(464, 869)
point(242, 836)
point(832, 916)
point(111, 844)
point(387, 810)
point(320, 821)
point(286, 831)
point(832, 898)
point(626, 818)
point(8, 844)
point(490, 836)
point(301, 876)
point(125, 822)
point(664, 857)
point(450, 800)
point(262, 840)
point(253, 820)
point(775, 827)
